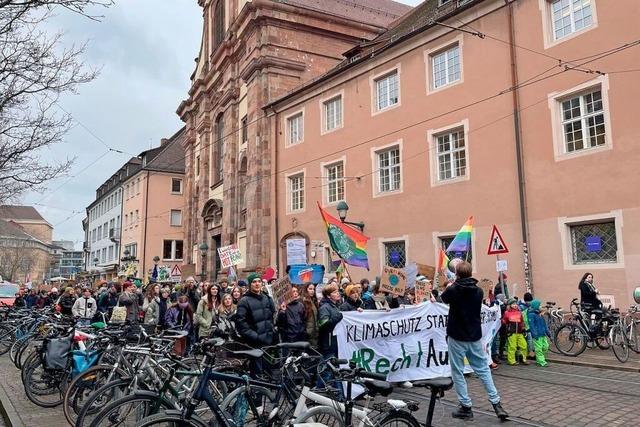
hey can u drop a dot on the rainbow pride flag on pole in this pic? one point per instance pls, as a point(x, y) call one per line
point(348, 243)
point(443, 261)
point(461, 243)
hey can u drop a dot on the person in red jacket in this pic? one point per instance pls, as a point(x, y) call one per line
point(516, 340)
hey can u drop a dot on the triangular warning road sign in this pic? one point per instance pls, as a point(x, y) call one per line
point(496, 243)
point(176, 271)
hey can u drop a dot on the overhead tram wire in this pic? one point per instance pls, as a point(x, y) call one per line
point(488, 98)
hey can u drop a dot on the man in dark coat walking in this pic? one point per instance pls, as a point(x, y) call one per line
point(292, 319)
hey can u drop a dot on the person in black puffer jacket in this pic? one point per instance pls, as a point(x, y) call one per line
point(254, 316)
point(66, 301)
point(328, 317)
point(352, 300)
point(292, 319)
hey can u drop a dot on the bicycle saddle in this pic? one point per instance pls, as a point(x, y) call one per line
point(375, 387)
point(254, 353)
point(299, 345)
point(440, 383)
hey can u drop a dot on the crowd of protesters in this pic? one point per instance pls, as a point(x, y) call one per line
point(245, 311)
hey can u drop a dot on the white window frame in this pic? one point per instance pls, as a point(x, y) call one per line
point(323, 113)
point(375, 151)
point(287, 129)
point(179, 211)
point(288, 177)
point(381, 253)
point(564, 224)
point(173, 249)
point(325, 180)
point(546, 15)
point(181, 185)
point(429, 56)
point(377, 78)
point(432, 139)
point(554, 102)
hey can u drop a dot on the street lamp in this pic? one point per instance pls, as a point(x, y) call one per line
point(342, 209)
point(203, 253)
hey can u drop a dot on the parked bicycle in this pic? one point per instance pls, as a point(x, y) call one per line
point(584, 329)
point(624, 334)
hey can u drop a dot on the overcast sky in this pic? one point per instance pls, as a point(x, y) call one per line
point(145, 51)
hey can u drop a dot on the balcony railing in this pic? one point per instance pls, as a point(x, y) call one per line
point(114, 234)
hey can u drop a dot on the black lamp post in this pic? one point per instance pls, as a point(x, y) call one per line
point(342, 209)
point(203, 253)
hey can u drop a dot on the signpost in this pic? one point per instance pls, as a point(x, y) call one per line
point(498, 246)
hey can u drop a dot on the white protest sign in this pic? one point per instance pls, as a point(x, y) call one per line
point(230, 255)
point(407, 343)
point(296, 251)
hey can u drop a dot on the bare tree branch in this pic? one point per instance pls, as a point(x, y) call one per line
point(35, 70)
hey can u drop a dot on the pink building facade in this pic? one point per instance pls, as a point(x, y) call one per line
point(519, 114)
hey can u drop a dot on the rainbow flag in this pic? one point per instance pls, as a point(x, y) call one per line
point(348, 243)
point(443, 261)
point(461, 243)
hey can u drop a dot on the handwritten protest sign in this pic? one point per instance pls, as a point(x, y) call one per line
point(422, 291)
point(393, 280)
point(281, 291)
point(427, 271)
point(229, 255)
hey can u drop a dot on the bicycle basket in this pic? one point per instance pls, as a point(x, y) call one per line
point(56, 352)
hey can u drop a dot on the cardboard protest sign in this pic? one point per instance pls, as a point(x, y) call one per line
point(281, 291)
point(422, 292)
point(487, 287)
point(427, 271)
point(230, 255)
point(393, 280)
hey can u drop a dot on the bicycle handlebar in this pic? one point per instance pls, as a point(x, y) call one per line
point(352, 369)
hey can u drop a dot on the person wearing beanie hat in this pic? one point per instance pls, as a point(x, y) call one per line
point(352, 300)
point(516, 341)
point(254, 319)
point(539, 333)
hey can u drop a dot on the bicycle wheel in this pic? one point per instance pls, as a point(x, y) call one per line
point(128, 410)
point(94, 404)
point(570, 339)
point(83, 385)
point(45, 387)
point(396, 419)
point(236, 404)
point(7, 338)
point(167, 419)
point(632, 336)
point(325, 415)
point(619, 344)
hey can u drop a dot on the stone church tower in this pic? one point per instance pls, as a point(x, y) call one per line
point(251, 53)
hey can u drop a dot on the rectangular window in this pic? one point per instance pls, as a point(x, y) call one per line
point(452, 157)
point(335, 182)
point(395, 254)
point(176, 218)
point(446, 67)
point(332, 113)
point(245, 129)
point(172, 250)
point(295, 129)
point(296, 192)
point(594, 243)
point(110, 256)
point(138, 186)
point(99, 235)
point(103, 257)
point(445, 241)
point(176, 186)
point(583, 121)
point(387, 91)
point(105, 230)
point(569, 16)
point(389, 170)
point(133, 249)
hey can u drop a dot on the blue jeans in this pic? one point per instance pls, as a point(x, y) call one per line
point(475, 354)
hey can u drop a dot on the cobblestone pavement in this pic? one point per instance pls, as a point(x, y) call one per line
point(598, 357)
point(559, 395)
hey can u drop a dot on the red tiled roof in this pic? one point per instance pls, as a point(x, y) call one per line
point(20, 213)
point(375, 12)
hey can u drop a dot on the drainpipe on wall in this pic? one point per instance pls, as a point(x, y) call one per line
point(144, 239)
point(274, 211)
point(524, 225)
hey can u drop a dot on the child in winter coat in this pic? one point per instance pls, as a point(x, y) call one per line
point(539, 333)
point(516, 340)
